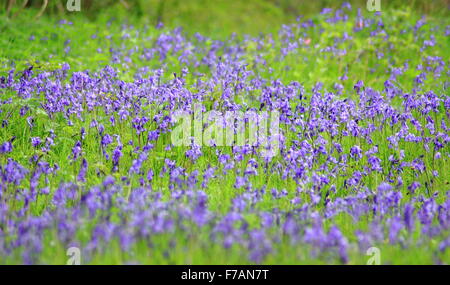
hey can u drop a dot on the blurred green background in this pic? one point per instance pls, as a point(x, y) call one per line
point(206, 16)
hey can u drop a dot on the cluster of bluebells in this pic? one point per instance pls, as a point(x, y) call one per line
point(376, 156)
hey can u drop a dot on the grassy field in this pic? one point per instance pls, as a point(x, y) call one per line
point(87, 103)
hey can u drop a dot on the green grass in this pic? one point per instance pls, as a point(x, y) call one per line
point(216, 20)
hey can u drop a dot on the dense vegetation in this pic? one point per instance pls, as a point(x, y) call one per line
point(87, 107)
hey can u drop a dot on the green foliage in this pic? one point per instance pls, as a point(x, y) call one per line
point(216, 19)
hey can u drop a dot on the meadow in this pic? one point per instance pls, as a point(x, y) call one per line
point(87, 158)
